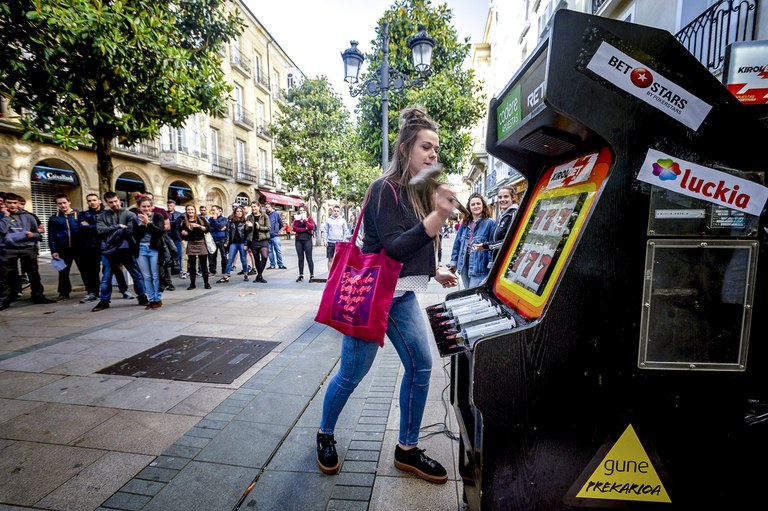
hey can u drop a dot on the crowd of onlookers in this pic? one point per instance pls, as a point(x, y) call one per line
point(109, 243)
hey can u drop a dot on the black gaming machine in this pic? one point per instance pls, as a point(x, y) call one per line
point(616, 357)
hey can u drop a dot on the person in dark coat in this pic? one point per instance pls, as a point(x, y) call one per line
point(19, 238)
point(65, 242)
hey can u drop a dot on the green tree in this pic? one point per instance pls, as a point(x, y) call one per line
point(316, 142)
point(449, 93)
point(353, 181)
point(92, 71)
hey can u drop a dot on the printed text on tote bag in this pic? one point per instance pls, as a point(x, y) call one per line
point(355, 295)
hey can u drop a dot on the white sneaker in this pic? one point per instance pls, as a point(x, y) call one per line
point(89, 298)
point(128, 295)
point(183, 275)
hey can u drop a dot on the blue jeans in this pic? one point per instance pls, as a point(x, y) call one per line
point(150, 272)
point(111, 264)
point(234, 249)
point(471, 281)
point(407, 331)
point(179, 252)
point(275, 249)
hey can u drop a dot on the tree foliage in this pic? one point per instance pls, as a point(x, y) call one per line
point(317, 146)
point(449, 93)
point(91, 71)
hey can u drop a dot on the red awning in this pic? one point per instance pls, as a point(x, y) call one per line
point(277, 198)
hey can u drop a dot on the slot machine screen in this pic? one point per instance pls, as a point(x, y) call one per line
point(558, 210)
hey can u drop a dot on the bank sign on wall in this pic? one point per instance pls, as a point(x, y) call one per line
point(746, 72)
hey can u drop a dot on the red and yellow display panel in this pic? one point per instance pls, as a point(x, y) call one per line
point(560, 205)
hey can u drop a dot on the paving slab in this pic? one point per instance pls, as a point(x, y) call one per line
point(396, 493)
point(148, 395)
point(201, 401)
point(12, 408)
point(244, 444)
point(36, 361)
point(137, 432)
point(29, 471)
point(272, 408)
point(204, 487)
point(287, 492)
point(202, 449)
point(84, 365)
point(96, 483)
point(14, 343)
point(55, 423)
point(79, 390)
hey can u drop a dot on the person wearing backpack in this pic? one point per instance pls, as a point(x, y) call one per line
point(115, 227)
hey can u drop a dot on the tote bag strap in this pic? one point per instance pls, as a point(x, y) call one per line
point(365, 203)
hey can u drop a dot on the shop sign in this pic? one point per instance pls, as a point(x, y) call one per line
point(52, 175)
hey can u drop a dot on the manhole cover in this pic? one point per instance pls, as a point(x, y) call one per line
point(193, 358)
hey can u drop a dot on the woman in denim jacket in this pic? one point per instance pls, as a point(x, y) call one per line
point(473, 265)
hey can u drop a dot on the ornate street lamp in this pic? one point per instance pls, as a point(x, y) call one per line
point(387, 78)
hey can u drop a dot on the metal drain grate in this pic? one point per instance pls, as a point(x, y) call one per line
point(195, 359)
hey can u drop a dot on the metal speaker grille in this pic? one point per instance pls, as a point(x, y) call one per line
point(549, 142)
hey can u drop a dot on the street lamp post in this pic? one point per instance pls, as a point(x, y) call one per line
point(387, 78)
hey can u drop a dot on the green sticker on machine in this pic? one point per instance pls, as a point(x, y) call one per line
point(509, 113)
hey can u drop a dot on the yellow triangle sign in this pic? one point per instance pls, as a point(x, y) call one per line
point(625, 473)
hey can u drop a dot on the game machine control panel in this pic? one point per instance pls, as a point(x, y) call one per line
point(614, 356)
point(532, 263)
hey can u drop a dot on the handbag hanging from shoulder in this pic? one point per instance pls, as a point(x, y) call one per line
point(359, 291)
point(209, 243)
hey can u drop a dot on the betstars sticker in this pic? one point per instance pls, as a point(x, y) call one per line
point(703, 183)
point(576, 171)
point(648, 85)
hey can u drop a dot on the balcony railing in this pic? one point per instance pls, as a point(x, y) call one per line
point(263, 132)
point(221, 166)
point(247, 173)
point(724, 23)
point(265, 180)
point(596, 5)
point(242, 117)
point(261, 78)
point(173, 148)
point(241, 63)
point(141, 149)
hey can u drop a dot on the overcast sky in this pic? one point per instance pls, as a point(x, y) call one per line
point(314, 32)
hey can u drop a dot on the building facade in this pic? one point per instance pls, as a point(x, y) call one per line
point(222, 161)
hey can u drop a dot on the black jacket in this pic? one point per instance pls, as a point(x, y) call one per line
point(64, 231)
point(155, 228)
point(391, 223)
point(193, 234)
point(88, 235)
point(238, 228)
